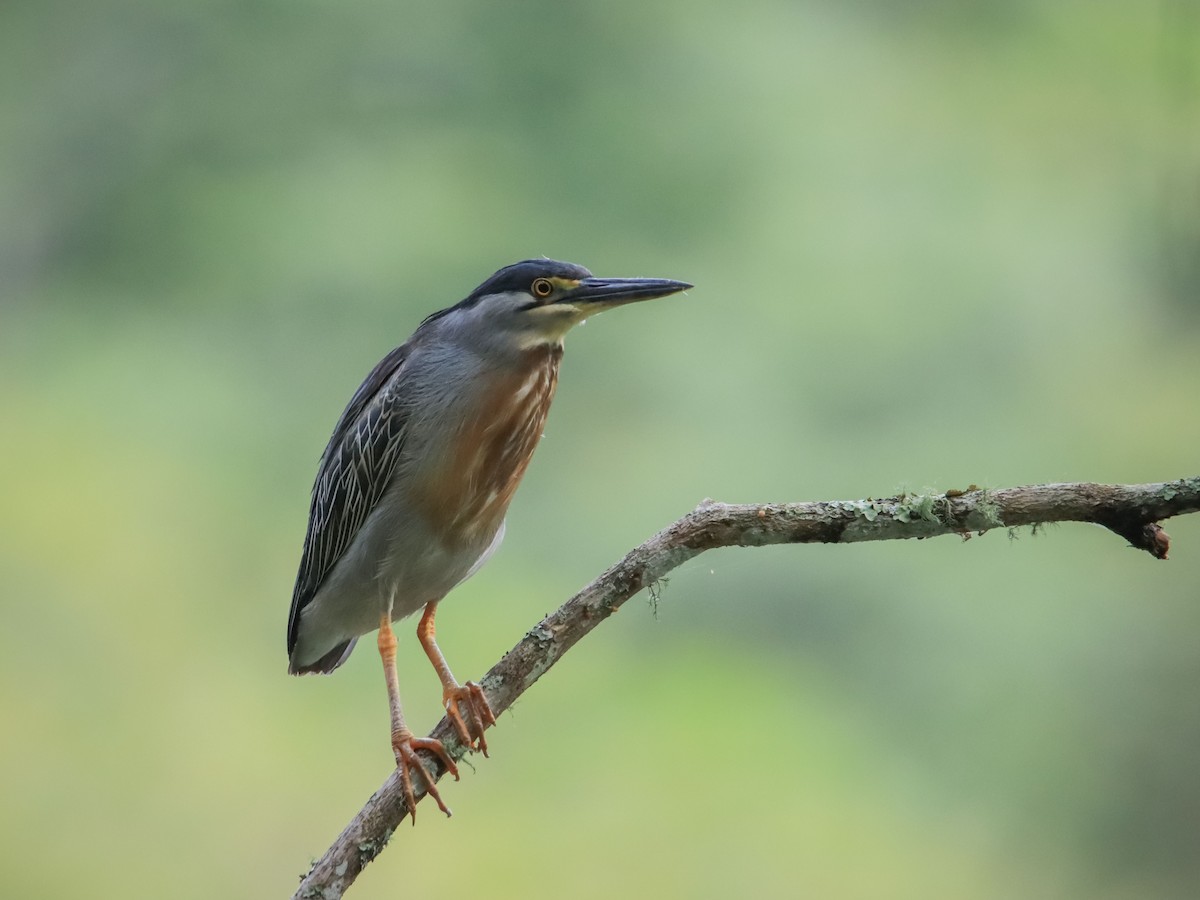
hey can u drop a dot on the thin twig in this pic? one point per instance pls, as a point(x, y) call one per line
point(1131, 511)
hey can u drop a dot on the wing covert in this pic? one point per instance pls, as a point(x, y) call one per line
point(353, 473)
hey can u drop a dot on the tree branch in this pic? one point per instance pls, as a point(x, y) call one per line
point(1130, 511)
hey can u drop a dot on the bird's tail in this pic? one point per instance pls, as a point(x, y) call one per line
point(326, 663)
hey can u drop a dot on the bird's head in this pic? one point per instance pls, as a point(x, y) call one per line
point(537, 301)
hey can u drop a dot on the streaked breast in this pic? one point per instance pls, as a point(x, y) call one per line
point(468, 495)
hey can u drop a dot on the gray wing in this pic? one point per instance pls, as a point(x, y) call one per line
point(354, 471)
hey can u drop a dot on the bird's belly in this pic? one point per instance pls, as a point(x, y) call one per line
point(419, 565)
point(396, 558)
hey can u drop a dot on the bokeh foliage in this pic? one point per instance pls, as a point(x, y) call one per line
point(934, 244)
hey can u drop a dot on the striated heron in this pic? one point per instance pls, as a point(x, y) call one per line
point(412, 489)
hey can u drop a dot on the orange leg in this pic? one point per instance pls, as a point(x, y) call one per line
point(471, 695)
point(404, 744)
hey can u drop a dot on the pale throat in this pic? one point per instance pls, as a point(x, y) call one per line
point(549, 325)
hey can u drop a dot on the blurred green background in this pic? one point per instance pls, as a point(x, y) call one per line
point(934, 244)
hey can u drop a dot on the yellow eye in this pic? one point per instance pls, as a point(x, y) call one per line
point(542, 287)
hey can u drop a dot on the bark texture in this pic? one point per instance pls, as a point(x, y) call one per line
point(1130, 511)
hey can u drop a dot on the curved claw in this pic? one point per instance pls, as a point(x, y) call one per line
point(405, 747)
point(479, 713)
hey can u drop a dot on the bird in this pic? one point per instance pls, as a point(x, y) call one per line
point(413, 487)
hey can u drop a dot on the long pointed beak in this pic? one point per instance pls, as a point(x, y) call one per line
point(609, 292)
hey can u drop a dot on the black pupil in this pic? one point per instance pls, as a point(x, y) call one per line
point(542, 288)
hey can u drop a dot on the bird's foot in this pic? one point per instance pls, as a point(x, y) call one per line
point(405, 746)
point(479, 713)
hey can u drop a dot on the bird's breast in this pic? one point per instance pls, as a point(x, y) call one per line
point(474, 480)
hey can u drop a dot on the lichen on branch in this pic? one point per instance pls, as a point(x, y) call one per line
point(1131, 511)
